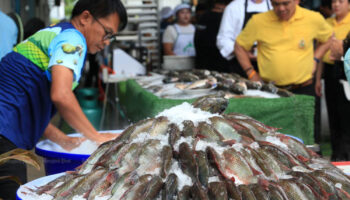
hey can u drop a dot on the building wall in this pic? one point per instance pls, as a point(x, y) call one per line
point(27, 9)
point(5, 6)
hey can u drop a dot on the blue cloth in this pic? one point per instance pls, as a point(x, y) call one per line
point(8, 34)
point(25, 104)
point(60, 44)
point(347, 65)
point(74, 60)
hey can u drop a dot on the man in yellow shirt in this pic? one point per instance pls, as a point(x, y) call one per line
point(285, 38)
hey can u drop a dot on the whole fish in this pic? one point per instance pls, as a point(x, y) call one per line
point(225, 129)
point(184, 193)
point(203, 167)
point(123, 184)
point(198, 193)
point(292, 190)
point(170, 187)
point(137, 190)
point(174, 134)
point(211, 103)
point(209, 133)
point(259, 192)
point(188, 130)
point(234, 167)
point(217, 191)
point(187, 161)
point(85, 184)
point(247, 193)
point(232, 190)
point(167, 155)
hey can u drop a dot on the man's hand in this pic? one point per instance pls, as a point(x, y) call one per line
point(336, 49)
point(104, 137)
point(71, 143)
point(318, 88)
point(253, 75)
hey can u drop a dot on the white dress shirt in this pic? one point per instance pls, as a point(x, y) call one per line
point(232, 24)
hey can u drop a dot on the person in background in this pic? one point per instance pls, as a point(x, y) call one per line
point(38, 76)
point(338, 106)
point(178, 38)
point(200, 9)
point(285, 40)
point(32, 26)
point(235, 18)
point(326, 8)
point(207, 54)
point(167, 18)
point(8, 38)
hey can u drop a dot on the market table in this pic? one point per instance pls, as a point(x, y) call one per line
point(294, 115)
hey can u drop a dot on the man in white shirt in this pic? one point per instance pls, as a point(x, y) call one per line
point(235, 17)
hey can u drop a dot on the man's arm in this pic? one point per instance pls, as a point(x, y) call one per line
point(55, 135)
point(320, 51)
point(339, 47)
point(318, 85)
point(243, 58)
point(68, 106)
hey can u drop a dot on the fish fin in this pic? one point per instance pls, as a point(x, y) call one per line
point(302, 158)
point(344, 192)
point(229, 142)
point(264, 183)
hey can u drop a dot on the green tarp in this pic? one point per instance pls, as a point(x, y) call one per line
point(294, 115)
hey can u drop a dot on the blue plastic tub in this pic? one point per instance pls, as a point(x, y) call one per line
point(300, 140)
point(57, 162)
point(25, 190)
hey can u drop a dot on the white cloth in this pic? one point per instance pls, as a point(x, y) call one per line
point(184, 45)
point(171, 34)
point(232, 24)
point(180, 7)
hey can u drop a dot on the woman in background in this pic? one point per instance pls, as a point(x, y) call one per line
point(178, 38)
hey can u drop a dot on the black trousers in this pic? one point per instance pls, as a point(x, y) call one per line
point(310, 90)
point(338, 108)
point(8, 188)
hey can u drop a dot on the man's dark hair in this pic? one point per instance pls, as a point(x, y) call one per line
point(102, 8)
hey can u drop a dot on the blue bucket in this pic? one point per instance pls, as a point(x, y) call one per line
point(57, 162)
point(292, 136)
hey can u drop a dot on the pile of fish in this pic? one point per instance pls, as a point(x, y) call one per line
point(194, 152)
point(229, 82)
